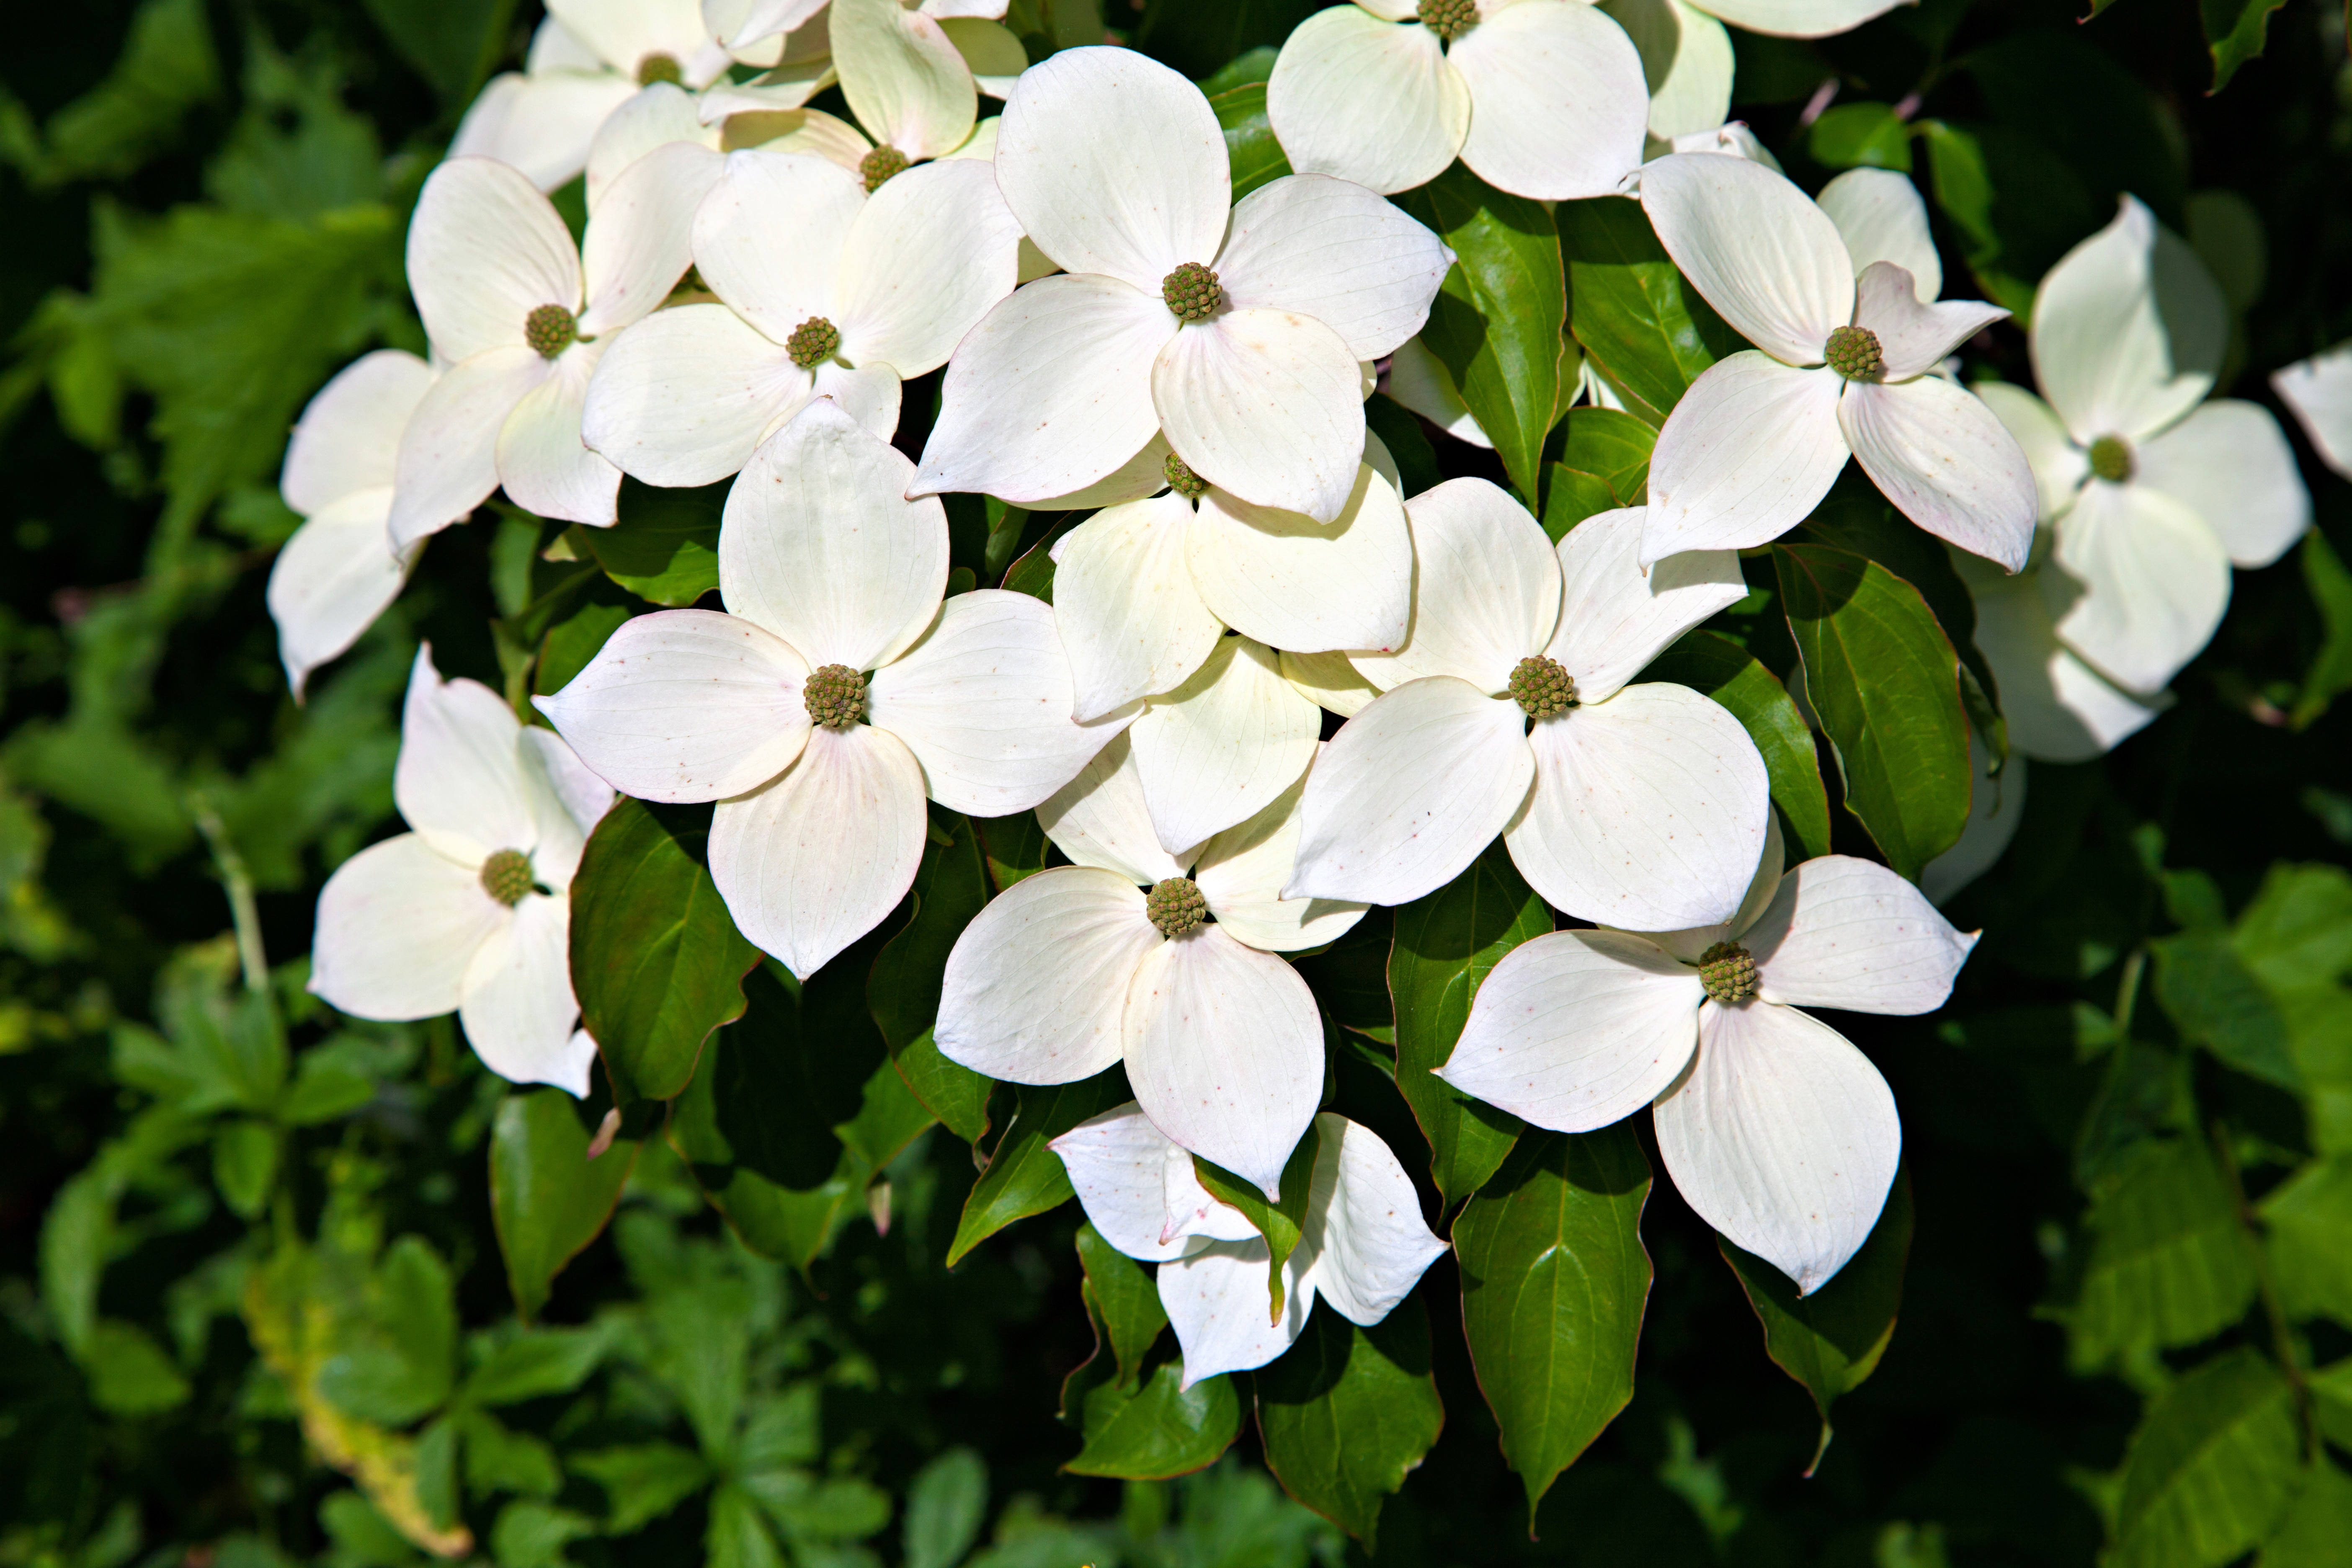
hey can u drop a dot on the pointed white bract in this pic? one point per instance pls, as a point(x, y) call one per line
point(469, 911)
point(2319, 391)
point(834, 694)
point(1776, 1130)
point(1361, 1247)
point(1639, 805)
point(1847, 342)
point(1239, 330)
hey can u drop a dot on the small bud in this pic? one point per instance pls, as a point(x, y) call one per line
point(1449, 19)
point(835, 696)
point(656, 67)
point(1175, 905)
point(1853, 354)
point(880, 164)
point(1183, 479)
point(1542, 688)
point(1191, 291)
point(1726, 972)
point(551, 329)
point(506, 875)
point(812, 343)
point(2111, 459)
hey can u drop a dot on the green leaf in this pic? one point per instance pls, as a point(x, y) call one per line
point(572, 643)
point(657, 962)
point(1861, 135)
point(1161, 1430)
point(946, 1504)
point(903, 991)
point(245, 1163)
point(2329, 584)
point(1642, 326)
point(2166, 1261)
point(452, 45)
point(548, 1199)
point(2212, 1468)
point(1884, 680)
point(1400, 431)
point(400, 1359)
point(533, 1535)
point(642, 1481)
point(2308, 1217)
point(1500, 321)
point(1716, 667)
point(128, 1373)
point(1554, 1280)
point(1279, 1222)
point(1015, 847)
point(1350, 977)
point(167, 67)
point(1604, 465)
point(1830, 1340)
point(2214, 1000)
point(1444, 945)
point(2315, 1528)
point(1257, 157)
point(1025, 1177)
point(500, 1460)
point(1347, 1413)
point(536, 1364)
point(1125, 1302)
point(322, 1091)
point(665, 546)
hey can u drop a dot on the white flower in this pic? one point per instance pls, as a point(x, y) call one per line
point(2152, 491)
point(1996, 807)
point(1845, 367)
point(1073, 969)
point(828, 293)
point(1419, 380)
point(2319, 391)
point(1687, 61)
point(339, 570)
point(471, 911)
point(2058, 709)
point(520, 316)
point(1362, 1245)
point(1776, 1130)
point(1143, 591)
point(1635, 805)
point(909, 72)
point(819, 774)
point(1115, 168)
point(1540, 98)
point(1799, 18)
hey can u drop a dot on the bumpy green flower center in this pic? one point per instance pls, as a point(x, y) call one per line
point(1542, 688)
point(880, 164)
point(551, 329)
point(1191, 291)
point(1449, 19)
point(659, 68)
point(1853, 354)
point(835, 696)
point(812, 343)
point(1726, 972)
point(2111, 459)
point(1175, 905)
point(506, 875)
point(1183, 479)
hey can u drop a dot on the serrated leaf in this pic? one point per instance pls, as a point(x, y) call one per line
point(1716, 667)
point(2215, 1001)
point(1347, 1413)
point(1025, 1177)
point(548, 1199)
point(2212, 1468)
point(903, 990)
point(1642, 326)
point(2166, 1261)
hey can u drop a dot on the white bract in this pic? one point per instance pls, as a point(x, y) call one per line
point(339, 570)
point(520, 315)
point(2153, 491)
point(1076, 968)
point(1506, 711)
point(1237, 329)
point(1362, 1245)
point(1842, 365)
point(829, 576)
point(2319, 391)
point(913, 74)
point(1777, 1130)
point(1687, 63)
point(2058, 709)
point(827, 291)
point(1540, 98)
point(470, 911)
point(1996, 808)
point(1799, 18)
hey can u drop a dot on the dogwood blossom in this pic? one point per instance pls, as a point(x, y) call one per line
point(1996, 807)
point(1799, 18)
point(1843, 366)
point(470, 910)
point(826, 292)
point(1774, 1127)
point(1076, 967)
point(1508, 711)
point(1687, 63)
point(2153, 491)
point(2058, 709)
point(338, 571)
point(1238, 334)
point(2319, 391)
point(836, 692)
point(1540, 98)
point(520, 317)
point(1361, 1247)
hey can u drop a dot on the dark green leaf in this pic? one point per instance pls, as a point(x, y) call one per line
point(1714, 666)
point(245, 1164)
point(1159, 1430)
point(2166, 1261)
point(1033, 572)
point(167, 67)
point(737, 1536)
point(2330, 586)
point(322, 1091)
point(1279, 1222)
point(1025, 1177)
point(903, 991)
point(2214, 1000)
point(2078, 101)
point(641, 1481)
point(1570, 497)
point(1641, 325)
point(548, 1199)
point(1347, 1411)
point(500, 1460)
point(570, 644)
point(534, 1365)
point(1554, 1280)
point(2315, 1528)
point(1859, 136)
point(1350, 977)
point(2308, 1218)
point(946, 1504)
point(2213, 1469)
point(1125, 1302)
point(1256, 156)
point(452, 45)
point(665, 546)
point(1400, 431)
point(128, 1373)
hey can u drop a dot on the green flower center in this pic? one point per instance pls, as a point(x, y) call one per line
point(1542, 688)
point(1191, 291)
point(2111, 459)
point(1175, 905)
point(551, 329)
point(835, 696)
point(1449, 19)
point(506, 875)
point(1853, 354)
point(1726, 972)
point(659, 68)
point(812, 343)
point(880, 164)
point(1183, 479)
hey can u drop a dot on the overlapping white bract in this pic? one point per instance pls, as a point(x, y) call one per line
point(2319, 391)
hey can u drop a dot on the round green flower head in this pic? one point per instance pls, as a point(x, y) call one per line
point(2111, 459)
point(506, 875)
point(1183, 479)
point(1449, 19)
point(835, 696)
point(1175, 905)
point(880, 164)
point(1853, 354)
point(1191, 291)
point(551, 329)
point(1542, 688)
point(1726, 972)
point(812, 343)
point(659, 68)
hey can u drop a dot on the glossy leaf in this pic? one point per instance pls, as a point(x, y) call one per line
point(1641, 325)
point(1714, 666)
point(665, 546)
point(1159, 1431)
point(1347, 1413)
point(1860, 135)
point(1257, 157)
point(1125, 1301)
point(1031, 571)
point(1400, 430)
point(2213, 1466)
point(903, 991)
point(572, 644)
point(548, 1199)
point(1025, 1177)
point(1278, 1223)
